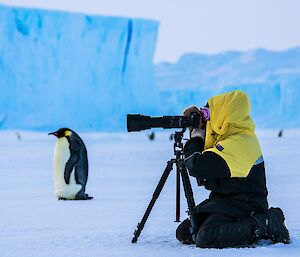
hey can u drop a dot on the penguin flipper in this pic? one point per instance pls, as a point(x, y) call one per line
point(75, 145)
point(70, 165)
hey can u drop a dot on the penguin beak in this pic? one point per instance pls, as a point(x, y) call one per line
point(54, 133)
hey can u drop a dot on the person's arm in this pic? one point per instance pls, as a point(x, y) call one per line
point(208, 165)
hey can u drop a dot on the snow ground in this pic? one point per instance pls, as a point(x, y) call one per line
point(124, 171)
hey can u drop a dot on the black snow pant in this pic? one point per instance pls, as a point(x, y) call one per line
point(218, 230)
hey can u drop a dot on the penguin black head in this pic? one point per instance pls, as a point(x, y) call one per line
point(74, 140)
point(63, 132)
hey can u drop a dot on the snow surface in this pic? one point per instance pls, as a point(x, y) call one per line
point(124, 171)
point(67, 69)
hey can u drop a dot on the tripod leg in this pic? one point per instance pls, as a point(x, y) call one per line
point(156, 193)
point(189, 196)
point(177, 196)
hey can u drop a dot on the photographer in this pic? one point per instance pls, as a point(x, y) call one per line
point(224, 155)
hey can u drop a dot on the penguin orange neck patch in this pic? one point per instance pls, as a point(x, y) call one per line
point(68, 133)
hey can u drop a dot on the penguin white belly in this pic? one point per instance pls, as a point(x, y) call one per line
point(61, 156)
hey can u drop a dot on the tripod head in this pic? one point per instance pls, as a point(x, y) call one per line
point(178, 145)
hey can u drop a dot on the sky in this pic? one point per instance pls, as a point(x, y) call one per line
point(204, 26)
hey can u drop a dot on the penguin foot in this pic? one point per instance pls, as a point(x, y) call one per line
point(83, 197)
point(62, 199)
point(77, 198)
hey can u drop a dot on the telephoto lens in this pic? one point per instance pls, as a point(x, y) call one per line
point(137, 122)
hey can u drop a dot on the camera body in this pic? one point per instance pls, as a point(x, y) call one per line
point(137, 122)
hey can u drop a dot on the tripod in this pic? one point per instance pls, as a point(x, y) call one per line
point(180, 170)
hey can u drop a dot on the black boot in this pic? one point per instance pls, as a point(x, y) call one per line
point(271, 226)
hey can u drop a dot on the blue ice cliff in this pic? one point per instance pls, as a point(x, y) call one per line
point(65, 69)
point(87, 72)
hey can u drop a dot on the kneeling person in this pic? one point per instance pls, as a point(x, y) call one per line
point(224, 155)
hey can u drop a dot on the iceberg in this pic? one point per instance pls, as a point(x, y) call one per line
point(60, 69)
point(270, 78)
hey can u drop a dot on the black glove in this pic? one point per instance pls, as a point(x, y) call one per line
point(193, 145)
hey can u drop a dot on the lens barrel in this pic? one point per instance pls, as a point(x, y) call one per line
point(137, 122)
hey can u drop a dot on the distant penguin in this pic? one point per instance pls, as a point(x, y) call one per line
point(70, 166)
point(151, 136)
point(18, 136)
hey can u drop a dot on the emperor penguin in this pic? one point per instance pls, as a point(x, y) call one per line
point(70, 166)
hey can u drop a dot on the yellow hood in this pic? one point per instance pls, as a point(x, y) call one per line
point(230, 132)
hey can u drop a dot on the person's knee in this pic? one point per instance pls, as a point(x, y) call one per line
point(183, 234)
point(205, 237)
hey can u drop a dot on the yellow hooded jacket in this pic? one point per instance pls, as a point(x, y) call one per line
point(230, 132)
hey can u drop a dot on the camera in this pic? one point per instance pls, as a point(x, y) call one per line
point(137, 122)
